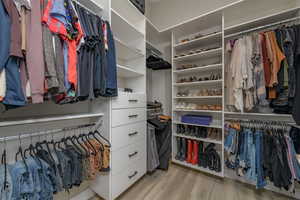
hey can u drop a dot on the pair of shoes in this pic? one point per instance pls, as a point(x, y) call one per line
point(214, 133)
point(181, 149)
point(192, 152)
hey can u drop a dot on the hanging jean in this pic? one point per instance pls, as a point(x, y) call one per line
point(14, 92)
point(111, 81)
point(250, 156)
point(23, 187)
point(243, 149)
point(259, 158)
point(229, 144)
point(296, 164)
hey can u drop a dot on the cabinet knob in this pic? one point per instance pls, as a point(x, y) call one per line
point(133, 154)
point(133, 116)
point(133, 175)
point(133, 100)
point(132, 134)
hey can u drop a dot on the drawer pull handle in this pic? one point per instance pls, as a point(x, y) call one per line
point(133, 116)
point(133, 100)
point(132, 134)
point(133, 175)
point(133, 154)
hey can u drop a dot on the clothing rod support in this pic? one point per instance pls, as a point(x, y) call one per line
point(27, 135)
point(262, 27)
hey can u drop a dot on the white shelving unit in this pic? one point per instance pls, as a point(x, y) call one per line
point(128, 110)
point(208, 62)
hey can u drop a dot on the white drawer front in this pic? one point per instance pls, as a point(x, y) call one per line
point(128, 116)
point(127, 100)
point(122, 158)
point(128, 134)
point(123, 180)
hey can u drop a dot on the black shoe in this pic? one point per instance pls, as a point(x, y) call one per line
point(179, 147)
point(183, 149)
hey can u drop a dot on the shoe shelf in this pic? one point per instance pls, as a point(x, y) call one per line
point(196, 167)
point(200, 97)
point(198, 57)
point(199, 41)
point(204, 54)
point(213, 125)
point(208, 140)
point(199, 69)
point(201, 111)
point(210, 82)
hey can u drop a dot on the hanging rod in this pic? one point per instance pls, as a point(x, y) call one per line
point(88, 9)
point(262, 27)
point(257, 121)
point(27, 135)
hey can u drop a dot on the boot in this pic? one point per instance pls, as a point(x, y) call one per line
point(179, 148)
point(195, 153)
point(183, 149)
point(189, 151)
point(200, 153)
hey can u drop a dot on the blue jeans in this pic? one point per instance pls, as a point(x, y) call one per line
point(23, 186)
point(294, 159)
point(229, 143)
point(250, 156)
point(5, 192)
point(260, 183)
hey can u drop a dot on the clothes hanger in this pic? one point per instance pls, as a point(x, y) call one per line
point(98, 133)
point(20, 152)
point(76, 138)
point(4, 162)
point(87, 141)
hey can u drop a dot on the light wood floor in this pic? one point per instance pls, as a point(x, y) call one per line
point(180, 183)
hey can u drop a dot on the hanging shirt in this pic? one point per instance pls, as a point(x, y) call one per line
point(5, 26)
point(229, 98)
point(15, 33)
point(239, 72)
point(276, 58)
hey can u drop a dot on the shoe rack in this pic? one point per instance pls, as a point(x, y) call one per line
point(197, 82)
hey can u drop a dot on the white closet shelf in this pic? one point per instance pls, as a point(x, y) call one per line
point(200, 97)
point(199, 69)
point(199, 83)
point(201, 111)
point(205, 40)
point(124, 29)
point(208, 140)
point(91, 5)
point(286, 14)
point(127, 72)
point(126, 52)
point(50, 119)
point(213, 125)
point(205, 54)
point(196, 167)
point(258, 114)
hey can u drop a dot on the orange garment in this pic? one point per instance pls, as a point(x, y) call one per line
point(276, 57)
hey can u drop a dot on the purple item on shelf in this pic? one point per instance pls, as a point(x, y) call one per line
point(196, 119)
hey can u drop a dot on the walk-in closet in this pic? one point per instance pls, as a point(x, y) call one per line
point(149, 99)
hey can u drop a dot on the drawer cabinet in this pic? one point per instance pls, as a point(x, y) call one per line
point(128, 116)
point(122, 158)
point(124, 179)
point(128, 134)
point(127, 100)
